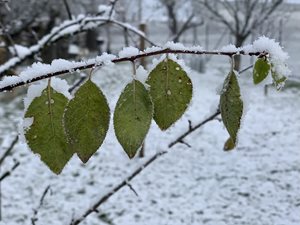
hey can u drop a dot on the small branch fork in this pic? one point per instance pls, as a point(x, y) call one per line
point(131, 59)
point(191, 129)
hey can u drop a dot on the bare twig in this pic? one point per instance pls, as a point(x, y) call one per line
point(180, 139)
point(188, 24)
point(9, 149)
point(9, 172)
point(124, 59)
point(10, 39)
point(36, 211)
point(77, 83)
point(68, 9)
point(116, 189)
point(132, 189)
point(190, 124)
point(6, 153)
point(113, 5)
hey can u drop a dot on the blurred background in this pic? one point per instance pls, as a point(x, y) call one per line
point(195, 183)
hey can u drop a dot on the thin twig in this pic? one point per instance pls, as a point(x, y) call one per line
point(124, 59)
point(126, 181)
point(9, 172)
point(68, 9)
point(112, 8)
point(132, 189)
point(10, 39)
point(78, 83)
point(116, 189)
point(36, 211)
point(9, 149)
point(180, 139)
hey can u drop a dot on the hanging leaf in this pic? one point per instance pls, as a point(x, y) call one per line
point(261, 70)
point(229, 144)
point(86, 120)
point(171, 91)
point(46, 135)
point(231, 106)
point(278, 79)
point(132, 117)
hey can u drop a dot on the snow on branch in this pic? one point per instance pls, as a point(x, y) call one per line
point(38, 71)
point(69, 27)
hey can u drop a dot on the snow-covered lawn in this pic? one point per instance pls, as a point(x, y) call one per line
point(256, 184)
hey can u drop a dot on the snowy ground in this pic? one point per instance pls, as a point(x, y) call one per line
point(257, 184)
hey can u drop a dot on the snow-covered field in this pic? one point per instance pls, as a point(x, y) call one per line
point(256, 184)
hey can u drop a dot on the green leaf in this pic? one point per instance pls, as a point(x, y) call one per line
point(229, 144)
point(86, 120)
point(132, 117)
point(278, 79)
point(261, 70)
point(171, 91)
point(231, 106)
point(46, 134)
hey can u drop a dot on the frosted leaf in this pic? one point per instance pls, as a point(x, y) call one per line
point(278, 57)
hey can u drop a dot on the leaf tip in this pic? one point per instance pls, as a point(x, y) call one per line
point(131, 154)
point(84, 158)
point(229, 145)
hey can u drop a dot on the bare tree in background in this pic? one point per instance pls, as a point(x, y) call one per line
point(241, 17)
point(172, 8)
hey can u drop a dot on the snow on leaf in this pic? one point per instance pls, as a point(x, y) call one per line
point(46, 135)
point(278, 58)
point(278, 79)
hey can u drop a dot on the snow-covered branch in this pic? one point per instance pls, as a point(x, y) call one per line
point(39, 71)
point(69, 27)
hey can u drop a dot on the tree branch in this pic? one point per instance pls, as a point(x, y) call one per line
point(180, 139)
point(187, 25)
point(116, 189)
point(17, 81)
point(70, 27)
point(125, 182)
point(9, 172)
point(35, 211)
point(9, 149)
point(68, 9)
